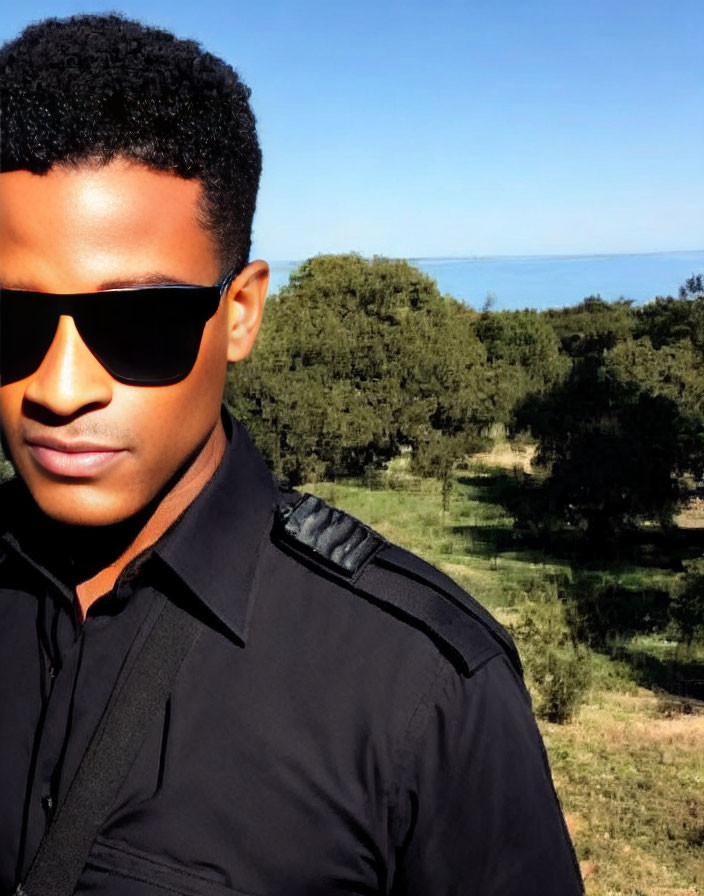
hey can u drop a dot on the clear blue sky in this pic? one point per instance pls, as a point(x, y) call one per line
point(460, 128)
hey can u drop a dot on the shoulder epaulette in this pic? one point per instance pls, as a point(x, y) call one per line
point(329, 535)
point(349, 551)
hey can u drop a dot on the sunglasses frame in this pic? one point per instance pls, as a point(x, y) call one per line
point(205, 298)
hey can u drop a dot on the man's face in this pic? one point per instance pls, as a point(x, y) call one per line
point(91, 449)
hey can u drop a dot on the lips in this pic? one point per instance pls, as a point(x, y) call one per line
point(77, 460)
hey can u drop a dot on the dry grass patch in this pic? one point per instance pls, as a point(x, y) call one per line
point(632, 786)
point(684, 733)
point(507, 457)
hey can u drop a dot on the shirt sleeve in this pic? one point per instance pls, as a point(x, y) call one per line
point(480, 813)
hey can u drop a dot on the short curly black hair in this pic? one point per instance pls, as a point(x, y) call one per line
point(97, 87)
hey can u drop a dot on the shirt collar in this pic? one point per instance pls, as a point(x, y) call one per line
point(214, 548)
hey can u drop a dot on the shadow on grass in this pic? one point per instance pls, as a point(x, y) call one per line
point(681, 677)
point(521, 497)
point(600, 610)
point(493, 540)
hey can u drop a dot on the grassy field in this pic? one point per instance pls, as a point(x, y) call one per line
point(629, 768)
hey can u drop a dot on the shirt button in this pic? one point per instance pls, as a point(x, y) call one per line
point(47, 804)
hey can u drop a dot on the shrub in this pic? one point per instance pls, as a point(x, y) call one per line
point(558, 672)
point(562, 677)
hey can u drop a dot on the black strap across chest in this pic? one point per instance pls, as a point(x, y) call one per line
point(139, 695)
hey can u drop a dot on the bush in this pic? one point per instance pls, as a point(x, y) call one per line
point(562, 677)
point(558, 672)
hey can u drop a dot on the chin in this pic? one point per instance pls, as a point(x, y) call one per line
point(76, 506)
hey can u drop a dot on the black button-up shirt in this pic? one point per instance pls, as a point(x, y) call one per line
point(313, 743)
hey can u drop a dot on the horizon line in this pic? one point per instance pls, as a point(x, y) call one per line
point(490, 257)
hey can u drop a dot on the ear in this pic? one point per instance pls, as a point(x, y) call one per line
point(245, 298)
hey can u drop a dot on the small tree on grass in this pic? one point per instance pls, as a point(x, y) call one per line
point(558, 671)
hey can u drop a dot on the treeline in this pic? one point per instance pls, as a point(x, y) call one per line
point(359, 360)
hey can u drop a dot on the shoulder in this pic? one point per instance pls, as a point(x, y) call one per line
point(340, 549)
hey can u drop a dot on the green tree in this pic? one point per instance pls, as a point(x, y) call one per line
point(674, 370)
point(593, 326)
point(693, 287)
point(357, 358)
point(523, 351)
point(666, 320)
point(614, 452)
point(618, 434)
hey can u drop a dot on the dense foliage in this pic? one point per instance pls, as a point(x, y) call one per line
point(358, 360)
point(618, 435)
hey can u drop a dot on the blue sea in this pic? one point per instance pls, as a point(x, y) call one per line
point(548, 281)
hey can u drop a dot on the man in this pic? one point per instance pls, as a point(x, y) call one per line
point(344, 719)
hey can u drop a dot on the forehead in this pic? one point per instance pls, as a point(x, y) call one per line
point(76, 226)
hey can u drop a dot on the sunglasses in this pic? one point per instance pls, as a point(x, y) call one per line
point(147, 336)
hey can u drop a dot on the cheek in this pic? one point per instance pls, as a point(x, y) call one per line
point(10, 409)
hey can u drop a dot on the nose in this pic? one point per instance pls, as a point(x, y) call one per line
point(70, 378)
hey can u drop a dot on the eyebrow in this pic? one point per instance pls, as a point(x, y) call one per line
point(141, 280)
point(153, 279)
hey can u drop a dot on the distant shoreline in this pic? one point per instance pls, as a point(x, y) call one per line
point(553, 257)
point(501, 257)
point(516, 282)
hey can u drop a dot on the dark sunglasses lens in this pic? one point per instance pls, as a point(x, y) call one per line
point(27, 328)
point(147, 336)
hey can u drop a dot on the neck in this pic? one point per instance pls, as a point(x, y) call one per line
point(106, 551)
